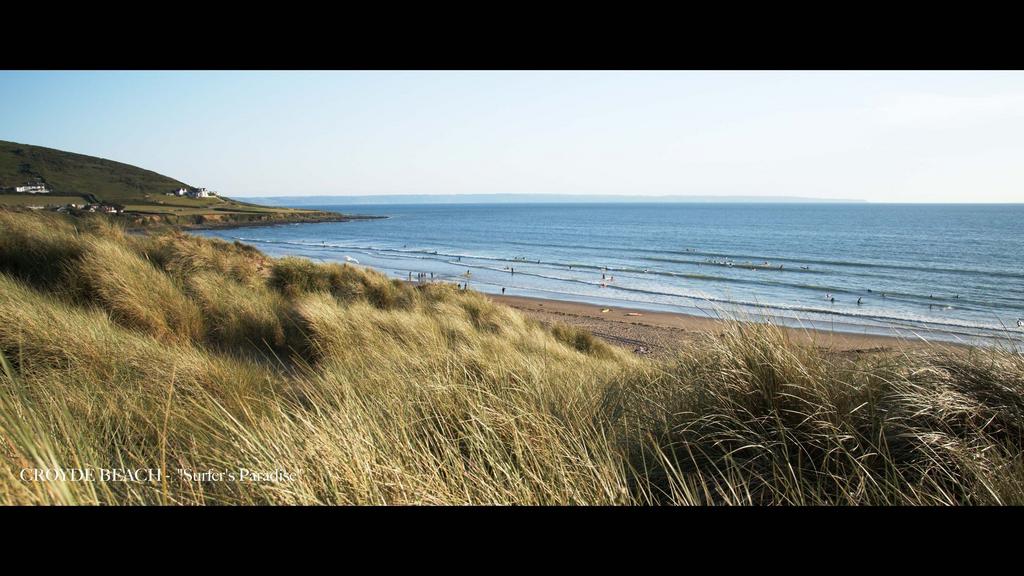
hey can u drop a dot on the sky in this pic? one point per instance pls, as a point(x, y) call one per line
point(884, 136)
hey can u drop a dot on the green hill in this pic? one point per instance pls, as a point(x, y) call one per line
point(68, 173)
point(142, 192)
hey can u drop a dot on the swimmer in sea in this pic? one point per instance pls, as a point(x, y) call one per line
point(858, 301)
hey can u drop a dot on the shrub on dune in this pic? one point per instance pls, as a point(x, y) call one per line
point(239, 316)
point(37, 249)
point(581, 340)
point(183, 255)
point(295, 276)
point(752, 419)
point(136, 294)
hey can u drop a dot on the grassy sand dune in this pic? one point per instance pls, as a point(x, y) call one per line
point(201, 356)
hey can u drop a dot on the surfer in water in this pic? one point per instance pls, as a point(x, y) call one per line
point(858, 301)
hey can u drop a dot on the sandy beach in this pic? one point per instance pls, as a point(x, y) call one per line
point(662, 333)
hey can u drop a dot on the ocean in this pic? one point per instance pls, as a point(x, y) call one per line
point(947, 272)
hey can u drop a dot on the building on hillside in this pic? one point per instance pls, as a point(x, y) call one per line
point(202, 193)
point(37, 188)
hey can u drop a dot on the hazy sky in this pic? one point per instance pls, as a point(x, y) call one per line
point(879, 136)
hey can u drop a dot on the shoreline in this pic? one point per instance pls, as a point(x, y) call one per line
point(662, 333)
point(227, 225)
point(263, 223)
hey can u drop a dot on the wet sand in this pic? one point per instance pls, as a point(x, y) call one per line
point(662, 333)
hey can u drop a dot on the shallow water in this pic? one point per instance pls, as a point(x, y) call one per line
point(954, 272)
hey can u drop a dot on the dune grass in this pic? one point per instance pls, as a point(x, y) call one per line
point(193, 355)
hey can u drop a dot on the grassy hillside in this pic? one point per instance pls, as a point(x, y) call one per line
point(76, 174)
point(141, 192)
point(181, 353)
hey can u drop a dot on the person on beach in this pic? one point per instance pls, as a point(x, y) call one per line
point(502, 290)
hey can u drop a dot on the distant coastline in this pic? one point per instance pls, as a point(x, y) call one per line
point(527, 198)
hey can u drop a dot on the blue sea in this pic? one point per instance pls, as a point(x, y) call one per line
point(949, 272)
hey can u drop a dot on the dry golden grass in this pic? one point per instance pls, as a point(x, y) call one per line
point(180, 353)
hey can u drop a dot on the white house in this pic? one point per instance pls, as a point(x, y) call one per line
point(202, 193)
point(33, 189)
